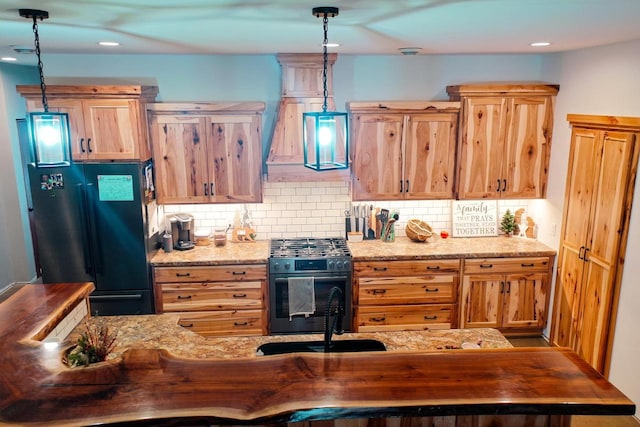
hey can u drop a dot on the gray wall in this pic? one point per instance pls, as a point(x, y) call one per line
point(16, 260)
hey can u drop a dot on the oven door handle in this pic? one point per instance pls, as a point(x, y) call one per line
point(317, 278)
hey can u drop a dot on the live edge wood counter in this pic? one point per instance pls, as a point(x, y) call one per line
point(150, 385)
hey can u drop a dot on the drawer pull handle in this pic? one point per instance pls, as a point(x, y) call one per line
point(430, 317)
point(379, 291)
point(432, 290)
point(430, 267)
point(239, 295)
point(377, 319)
point(527, 265)
point(240, 323)
point(186, 325)
point(184, 297)
point(379, 268)
point(183, 274)
point(486, 265)
point(238, 273)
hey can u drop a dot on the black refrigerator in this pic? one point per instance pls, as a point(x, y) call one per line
point(91, 225)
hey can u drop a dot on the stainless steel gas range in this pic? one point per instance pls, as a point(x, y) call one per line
point(298, 267)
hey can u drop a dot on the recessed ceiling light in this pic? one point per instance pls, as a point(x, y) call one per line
point(540, 44)
point(110, 44)
point(8, 58)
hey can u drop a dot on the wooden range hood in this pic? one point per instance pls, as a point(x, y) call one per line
point(302, 91)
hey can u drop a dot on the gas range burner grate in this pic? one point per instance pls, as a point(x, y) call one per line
point(309, 248)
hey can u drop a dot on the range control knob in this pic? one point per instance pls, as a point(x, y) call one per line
point(330, 265)
point(346, 265)
point(276, 266)
point(287, 266)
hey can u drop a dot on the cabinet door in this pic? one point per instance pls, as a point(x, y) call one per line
point(602, 245)
point(377, 157)
point(564, 331)
point(179, 150)
point(524, 298)
point(482, 301)
point(234, 158)
point(429, 156)
point(528, 146)
point(481, 149)
point(111, 129)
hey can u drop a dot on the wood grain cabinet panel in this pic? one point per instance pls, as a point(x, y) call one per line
point(403, 150)
point(207, 153)
point(405, 295)
point(504, 139)
point(598, 198)
point(214, 300)
point(510, 294)
point(106, 122)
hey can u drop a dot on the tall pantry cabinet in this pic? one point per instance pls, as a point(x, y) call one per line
point(598, 198)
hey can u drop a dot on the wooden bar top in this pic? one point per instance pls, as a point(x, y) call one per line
point(151, 384)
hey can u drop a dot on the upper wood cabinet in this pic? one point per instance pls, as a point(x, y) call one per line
point(106, 122)
point(207, 152)
point(603, 161)
point(403, 150)
point(504, 139)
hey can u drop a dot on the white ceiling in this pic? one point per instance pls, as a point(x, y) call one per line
point(362, 27)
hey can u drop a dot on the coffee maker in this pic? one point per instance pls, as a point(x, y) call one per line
point(182, 229)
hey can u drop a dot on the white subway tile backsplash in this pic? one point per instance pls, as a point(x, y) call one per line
point(317, 209)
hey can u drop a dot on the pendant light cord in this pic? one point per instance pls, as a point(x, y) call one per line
point(43, 87)
point(325, 92)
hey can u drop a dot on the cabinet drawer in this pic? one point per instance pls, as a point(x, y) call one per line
point(407, 290)
point(405, 268)
point(405, 317)
point(506, 265)
point(221, 323)
point(210, 273)
point(211, 296)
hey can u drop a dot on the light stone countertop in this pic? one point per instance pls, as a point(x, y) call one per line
point(368, 250)
point(163, 332)
point(452, 247)
point(256, 252)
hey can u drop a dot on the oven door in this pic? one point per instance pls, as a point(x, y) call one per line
point(280, 323)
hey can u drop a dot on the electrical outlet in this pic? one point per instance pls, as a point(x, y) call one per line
point(554, 229)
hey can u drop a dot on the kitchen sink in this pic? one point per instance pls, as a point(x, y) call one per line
point(338, 346)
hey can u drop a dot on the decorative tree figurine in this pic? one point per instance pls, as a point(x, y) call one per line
point(508, 224)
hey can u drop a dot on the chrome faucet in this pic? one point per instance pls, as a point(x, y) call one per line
point(338, 314)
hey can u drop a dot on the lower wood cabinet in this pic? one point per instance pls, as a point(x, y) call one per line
point(510, 294)
point(214, 300)
point(405, 295)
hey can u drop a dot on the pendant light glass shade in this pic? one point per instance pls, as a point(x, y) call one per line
point(49, 136)
point(325, 140)
point(48, 132)
point(325, 133)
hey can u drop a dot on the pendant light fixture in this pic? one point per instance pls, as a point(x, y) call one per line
point(48, 132)
point(324, 134)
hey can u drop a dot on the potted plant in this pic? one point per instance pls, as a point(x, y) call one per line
point(508, 224)
point(93, 345)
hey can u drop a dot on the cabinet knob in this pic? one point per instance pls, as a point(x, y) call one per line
point(183, 274)
point(430, 317)
point(238, 273)
point(431, 267)
point(240, 323)
point(239, 295)
point(89, 145)
point(432, 290)
point(379, 291)
point(486, 265)
point(184, 297)
point(377, 319)
point(82, 145)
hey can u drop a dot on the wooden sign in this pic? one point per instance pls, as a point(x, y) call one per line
point(475, 218)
